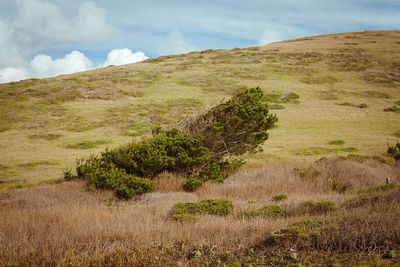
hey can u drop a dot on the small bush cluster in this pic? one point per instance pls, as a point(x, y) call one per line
point(394, 151)
point(216, 171)
point(186, 211)
point(268, 211)
point(280, 197)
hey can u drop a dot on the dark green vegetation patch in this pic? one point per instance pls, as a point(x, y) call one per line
point(186, 211)
point(394, 151)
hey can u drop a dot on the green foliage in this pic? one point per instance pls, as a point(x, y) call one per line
point(303, 227)
point(280, 197)
point(269, 211)
point(317, 151)
point(394, 151)
point(391, 254)
point(104, 174)
point(216, 171)
point(186, 210)
point(234, 127)
point(170, 151)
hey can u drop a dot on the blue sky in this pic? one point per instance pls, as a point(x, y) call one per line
point(43, 38)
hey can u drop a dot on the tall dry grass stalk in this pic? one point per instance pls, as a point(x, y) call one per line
point(66, 224)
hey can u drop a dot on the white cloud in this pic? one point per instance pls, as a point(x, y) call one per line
point(123, 56)
point(270, 36)
point(44, 66)
point(9, 54)
point(39, 23)
point(12, 74)
point(175, 43)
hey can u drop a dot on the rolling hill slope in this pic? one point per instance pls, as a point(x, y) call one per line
point(323, 89)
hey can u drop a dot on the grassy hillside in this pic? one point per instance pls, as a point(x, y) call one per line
point(316, 195)
point(344, 83)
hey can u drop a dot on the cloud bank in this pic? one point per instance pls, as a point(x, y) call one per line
point(43, 66)
point(40, 24)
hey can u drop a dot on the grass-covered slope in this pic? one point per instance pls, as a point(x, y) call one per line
point(323, 88)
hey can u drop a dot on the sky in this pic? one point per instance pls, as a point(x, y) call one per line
point(45, 38)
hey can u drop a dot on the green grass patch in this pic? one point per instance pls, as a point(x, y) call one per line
point(6, 171)
point(337, 142)
point(184, 101)
point(357, 157)
point(319, 79)
point(318, 151)
point(186, 211)
point(284, 98)
point(32, 165)
point(266, 212)
point(304, 228)
point(49, 136)
point(86, 144)
point(374, 189)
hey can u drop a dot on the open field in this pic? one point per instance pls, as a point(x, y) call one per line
point(66, 224)
point(316, 195)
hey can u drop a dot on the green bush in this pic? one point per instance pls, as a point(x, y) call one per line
point(394, 151)
point(279, 197)
point(197, 150)
point(216, 171)
point(235, 127)
point(170, 151)
point(185, 210)
point(106, 175)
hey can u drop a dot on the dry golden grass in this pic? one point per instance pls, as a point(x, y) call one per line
point(66, 224)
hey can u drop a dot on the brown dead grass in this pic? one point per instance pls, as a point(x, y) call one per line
point(66, 224)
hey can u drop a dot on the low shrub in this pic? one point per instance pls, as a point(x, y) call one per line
point(394, 151)
point(186, 211)
point(235, 127)
point(216, 171)
point(280, 197)
point(104, 174)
